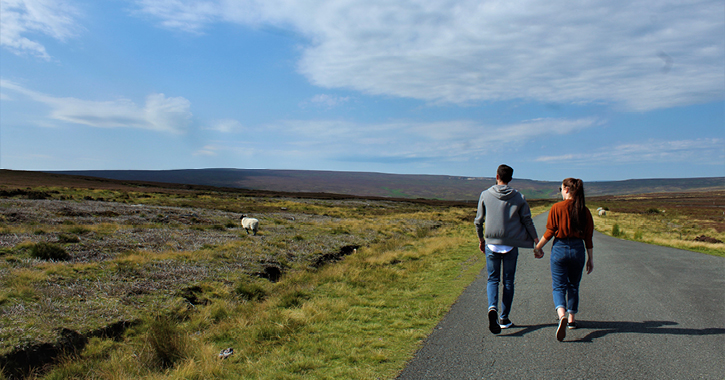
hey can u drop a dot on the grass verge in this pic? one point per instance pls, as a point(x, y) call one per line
point(160, 291)
point(361, 318)
point(659, 228)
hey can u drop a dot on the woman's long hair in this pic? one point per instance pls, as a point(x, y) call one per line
point(577, 213)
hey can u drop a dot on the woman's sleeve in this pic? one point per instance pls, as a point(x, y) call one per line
point(551, 223)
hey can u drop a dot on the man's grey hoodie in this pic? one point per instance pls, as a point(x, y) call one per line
point(507, 218)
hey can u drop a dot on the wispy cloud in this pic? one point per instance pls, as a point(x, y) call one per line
point(226, 126)
point(189, 16)
point(207, 150)
point(327, 101)
point(709, 151)
point(160, 113)
point(20, 18)
point(470, 51)
point(413, 141)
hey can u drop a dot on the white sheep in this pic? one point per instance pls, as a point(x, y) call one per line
point(602, 212)
point(250, 224)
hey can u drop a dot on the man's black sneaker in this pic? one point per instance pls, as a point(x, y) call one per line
point(493, 321)
point(505, 323)
point(571, 325)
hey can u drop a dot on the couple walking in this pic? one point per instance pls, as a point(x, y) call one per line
point(508, 226)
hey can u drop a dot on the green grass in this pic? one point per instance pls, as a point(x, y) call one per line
point(653, 226)
point(361, 316)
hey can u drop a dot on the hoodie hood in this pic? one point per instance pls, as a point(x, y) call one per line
point(503, 192)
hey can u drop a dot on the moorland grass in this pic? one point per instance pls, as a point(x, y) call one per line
point(358, 317)
point(656, 227)
point(361, 318)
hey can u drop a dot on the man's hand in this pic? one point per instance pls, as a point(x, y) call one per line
point(482, 246)
point(538, 253)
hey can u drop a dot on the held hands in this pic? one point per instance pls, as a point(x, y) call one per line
point(538, 253)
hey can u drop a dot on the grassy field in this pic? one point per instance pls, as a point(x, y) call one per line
point(138, 282)
point(693, 221)
point(123, 284)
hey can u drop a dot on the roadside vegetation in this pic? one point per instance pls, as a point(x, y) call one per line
point(111, 284)
point(694, 221)
point(165, 284)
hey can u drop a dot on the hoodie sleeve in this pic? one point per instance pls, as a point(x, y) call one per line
point(525, 215)
point(480, 217)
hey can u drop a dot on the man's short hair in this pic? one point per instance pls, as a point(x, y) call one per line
point(505, 173)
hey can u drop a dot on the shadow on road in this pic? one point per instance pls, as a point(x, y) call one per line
point(525, 329)
point(647, 327)
point(600, 329)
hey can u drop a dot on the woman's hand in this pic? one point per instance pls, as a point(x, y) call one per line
point(538, 253)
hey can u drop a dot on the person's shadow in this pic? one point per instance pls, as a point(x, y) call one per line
point(601, 328)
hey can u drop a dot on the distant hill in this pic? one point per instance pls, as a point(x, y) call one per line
point(389, 185)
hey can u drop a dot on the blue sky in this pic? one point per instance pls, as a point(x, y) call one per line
point(603, 90)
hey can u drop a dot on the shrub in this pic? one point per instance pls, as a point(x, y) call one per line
point(79, 230)
point(250, 291)
point(294, 299)
point(616, 232)
point(49, 251)
point(339, 230)
point(421, 232)
point(219, 311)
point(638, 235)
point(652, 211)
point(63, 238)
point(168, 344)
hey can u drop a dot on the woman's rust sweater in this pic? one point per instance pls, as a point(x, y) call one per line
point(558, 225)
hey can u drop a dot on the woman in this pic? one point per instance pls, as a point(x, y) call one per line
point(571, 225)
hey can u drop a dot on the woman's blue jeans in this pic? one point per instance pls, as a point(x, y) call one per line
point(567, 264)
point(494, 262)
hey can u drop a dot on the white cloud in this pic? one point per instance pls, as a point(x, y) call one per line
point(19, 18)
point(226, 126)
point(328, 101)
point(160, 113)
point(190, 16)
point(708, 151)
point(208, 150)
point(470, 51)
point(449, 141)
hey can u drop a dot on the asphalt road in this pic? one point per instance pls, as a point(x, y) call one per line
point(645, 312)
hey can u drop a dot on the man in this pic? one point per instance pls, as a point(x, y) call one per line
point(508, 226)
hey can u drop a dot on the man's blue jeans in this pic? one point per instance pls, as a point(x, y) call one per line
point(494, 262)
point(567, 264)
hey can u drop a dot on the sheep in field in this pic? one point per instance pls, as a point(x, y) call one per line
point(250, 224)
point(602, 212)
